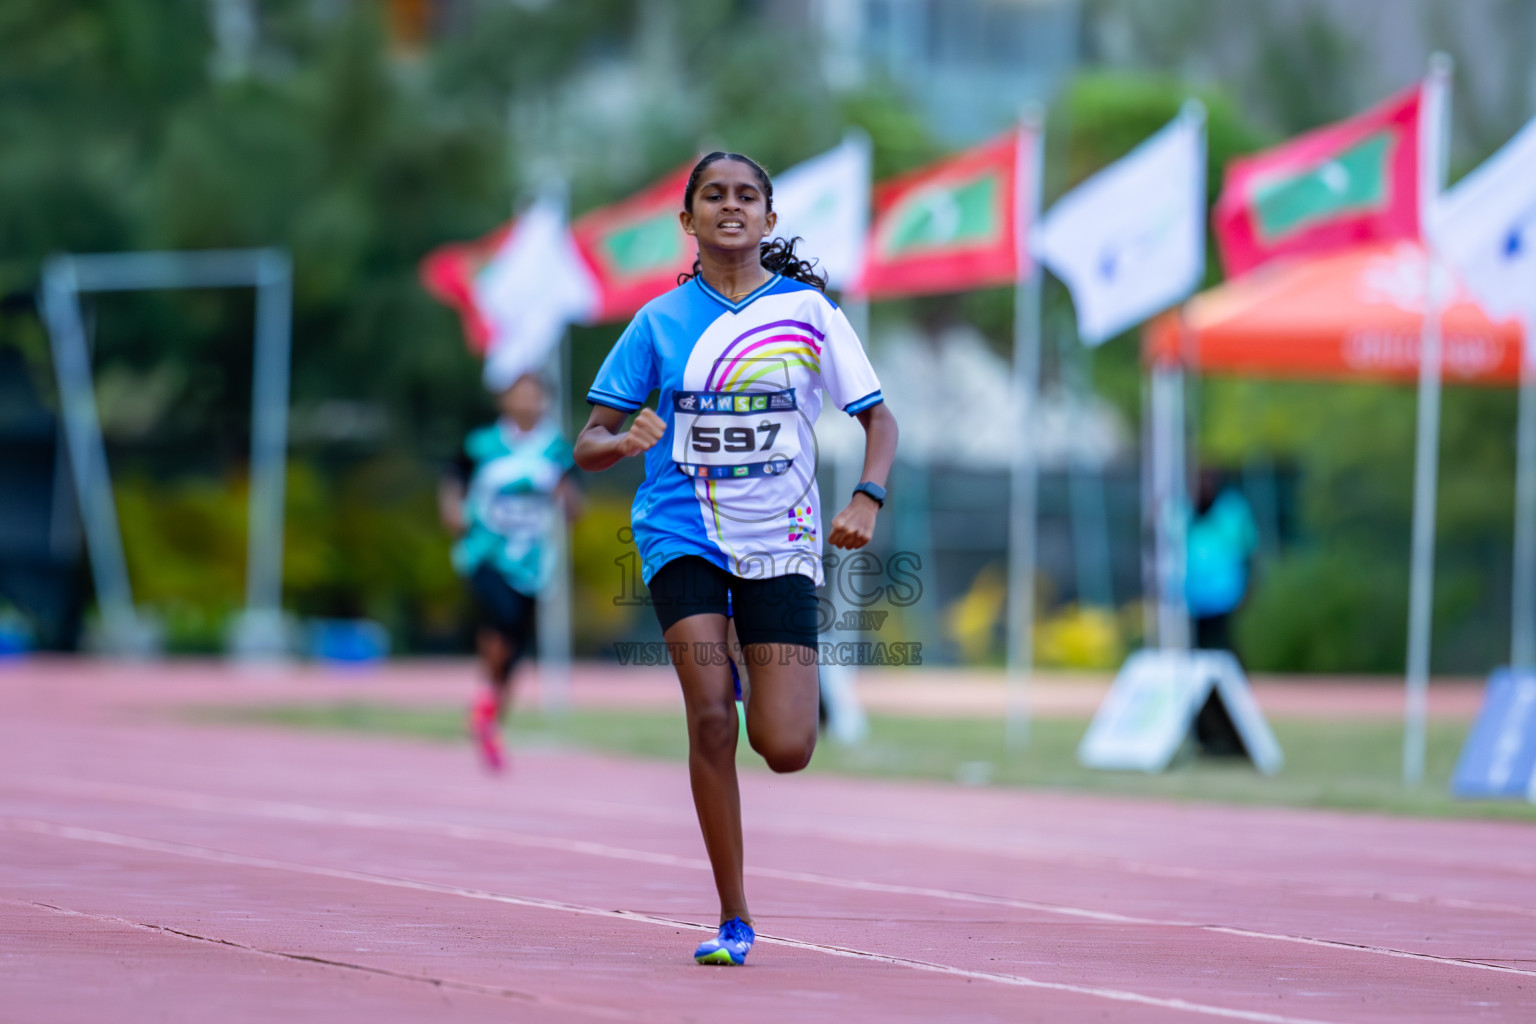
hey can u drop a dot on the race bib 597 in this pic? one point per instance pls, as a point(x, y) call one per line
point(724, 434)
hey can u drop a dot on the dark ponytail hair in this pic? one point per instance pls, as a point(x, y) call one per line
point(777, 254)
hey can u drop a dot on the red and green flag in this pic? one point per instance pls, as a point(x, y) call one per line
point(951, 226)
point(1333, 188)
point(636, 248)
point(517, 289)
point(448, 274)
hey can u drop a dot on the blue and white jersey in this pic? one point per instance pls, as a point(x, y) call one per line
point(733, 480)
point(509, 505)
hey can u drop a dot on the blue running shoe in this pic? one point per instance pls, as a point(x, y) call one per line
point(730, 947)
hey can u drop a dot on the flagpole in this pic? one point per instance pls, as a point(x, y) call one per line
point(553, 622)
point(1149, 545)
point(846, 721)
point(1175, 632)
point(838, 682)
point(1522, 647)
point(1421, 581)
point(1025, 468)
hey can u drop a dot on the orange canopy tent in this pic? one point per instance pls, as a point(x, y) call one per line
point(1357, 314)
point(1352, 315)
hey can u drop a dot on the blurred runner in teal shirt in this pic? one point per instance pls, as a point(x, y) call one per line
point(1221, 540)
point(511, 481)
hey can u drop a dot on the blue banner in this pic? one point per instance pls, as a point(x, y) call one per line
point(1499, 758)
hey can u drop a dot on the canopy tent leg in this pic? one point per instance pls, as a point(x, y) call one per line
point(1090, 527)
point(1169, 506)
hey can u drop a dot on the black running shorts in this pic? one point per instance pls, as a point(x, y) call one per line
point(507, 611)
point(774, 610)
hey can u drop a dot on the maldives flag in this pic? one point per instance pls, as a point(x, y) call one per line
point(448, 274)
point(951, 226)
point(517, 288)
point(1355, 181)
point(636, 248)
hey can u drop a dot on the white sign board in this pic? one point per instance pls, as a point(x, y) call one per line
point(1153, 705)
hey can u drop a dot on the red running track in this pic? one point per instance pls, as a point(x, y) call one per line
point(157, 871)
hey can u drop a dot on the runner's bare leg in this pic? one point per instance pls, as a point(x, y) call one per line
point(709, 697)
point(782, 713)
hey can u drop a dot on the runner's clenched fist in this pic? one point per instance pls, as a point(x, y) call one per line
point(643, 434)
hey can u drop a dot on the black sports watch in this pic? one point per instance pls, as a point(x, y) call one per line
point(874, 490)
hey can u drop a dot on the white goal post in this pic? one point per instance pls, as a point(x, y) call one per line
point(259, 630)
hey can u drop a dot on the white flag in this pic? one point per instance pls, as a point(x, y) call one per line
point(528, 292)
point(1486, 228)
point(1130, 240)
point(825, 201)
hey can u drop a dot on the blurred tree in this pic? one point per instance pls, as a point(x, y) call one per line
point(344, 134)
point(134, 127)
point(1354, 444)
point(1167, 36)
point(1337, 601)
point(1310, 70)
point(133, 143)
point(140, 134)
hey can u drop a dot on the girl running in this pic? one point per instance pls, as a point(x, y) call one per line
point(511, 479)
point(728, 516)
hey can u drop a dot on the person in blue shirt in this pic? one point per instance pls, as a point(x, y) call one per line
point(740, 354)
point(1221, 540)
point(512, 479)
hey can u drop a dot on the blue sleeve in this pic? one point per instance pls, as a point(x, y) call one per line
point(628, 375)
point(846, 373)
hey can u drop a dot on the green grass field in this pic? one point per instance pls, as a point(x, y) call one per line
point(1352, 764)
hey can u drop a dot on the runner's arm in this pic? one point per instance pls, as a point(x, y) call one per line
point(854, 526)
point(450, 504)
point(601, 444)
point(452, 488)
point(569, 497)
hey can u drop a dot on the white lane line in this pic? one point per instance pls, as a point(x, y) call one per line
point(1014, 852)
point(1379, 950)
point(448, 983)
point(90, 835)
point(1099, 862)
point(284, 811)
point(1020, 850)
point(1092, 862)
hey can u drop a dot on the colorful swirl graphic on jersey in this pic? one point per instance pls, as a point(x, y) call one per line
point(794, 343)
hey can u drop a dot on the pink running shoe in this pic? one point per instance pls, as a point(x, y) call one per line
point(483, 730)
